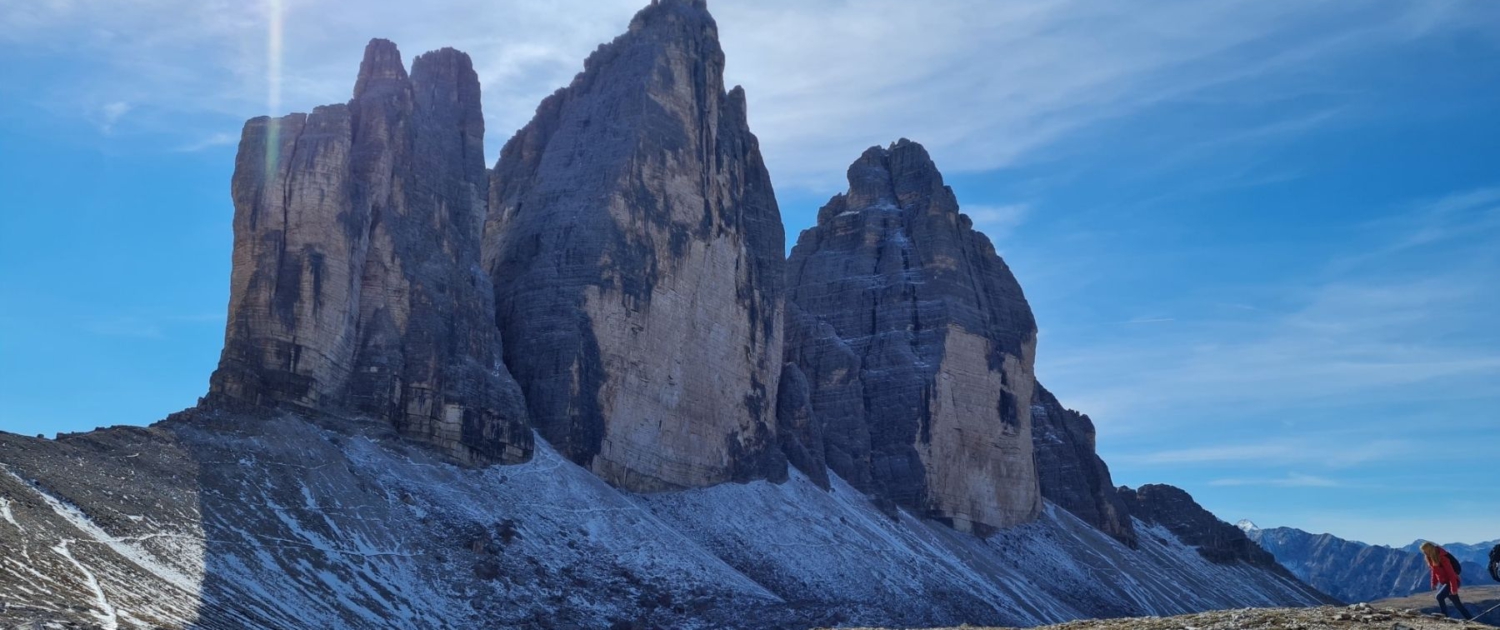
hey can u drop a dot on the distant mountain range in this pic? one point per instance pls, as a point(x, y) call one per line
point(1356, 572)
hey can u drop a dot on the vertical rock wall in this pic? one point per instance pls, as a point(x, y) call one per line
point(356, 283)
point(636, 249)
point(918, 346)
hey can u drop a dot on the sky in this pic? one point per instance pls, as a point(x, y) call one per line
point(1261, 237)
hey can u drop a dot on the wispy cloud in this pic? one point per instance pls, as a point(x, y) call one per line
point(148, 327)
point(983, 84)
point(110, 114)
point(1309, 451)
point(997, 221)
point(126, 327)
point(1291, 480)
point(216, 139)
point(1396, 319)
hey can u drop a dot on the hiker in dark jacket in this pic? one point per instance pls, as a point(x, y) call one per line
point(1444, 578)
point(1495, 563)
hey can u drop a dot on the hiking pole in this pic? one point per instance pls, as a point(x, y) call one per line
point(1487, 611)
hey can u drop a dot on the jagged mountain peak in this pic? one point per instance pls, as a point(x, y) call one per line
point(652, 14)
point(356, 285)
point(1247, 525)
point(895, 176)
point(381, 68)
point(634, 213)
point(918, 346)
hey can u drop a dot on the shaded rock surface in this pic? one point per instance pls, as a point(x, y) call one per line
point(356, 283)
point(1177, 512)
point(799, 432)
point(636, 249)
point(1069, 468)
point(1354, 571)
point(918, 346)
point(215, 520)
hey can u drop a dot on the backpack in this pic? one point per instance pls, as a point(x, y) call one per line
point(1458, 569)
point(1495, 563)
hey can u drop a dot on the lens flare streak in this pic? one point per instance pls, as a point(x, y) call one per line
point(275, 11)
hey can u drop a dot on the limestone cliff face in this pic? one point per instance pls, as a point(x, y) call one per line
point(1070, 471)
point(918, 346)
point(356, 283)
point(636, 249)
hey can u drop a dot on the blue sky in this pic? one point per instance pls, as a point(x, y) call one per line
point(1262, 238)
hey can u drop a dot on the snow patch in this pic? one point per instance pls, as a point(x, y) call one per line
point(122, 546)
point(5, 512)
point(108, 618)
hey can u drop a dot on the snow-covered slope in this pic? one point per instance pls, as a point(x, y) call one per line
point(234, 522)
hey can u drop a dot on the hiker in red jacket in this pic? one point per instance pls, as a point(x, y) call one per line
point(1444, 577)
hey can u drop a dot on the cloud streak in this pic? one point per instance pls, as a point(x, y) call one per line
point(1321, 451)
point(1291, 480)
point(997, 221)
point(1400, 319)
point(983, 84)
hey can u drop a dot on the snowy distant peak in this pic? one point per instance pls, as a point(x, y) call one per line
point(1247, 526)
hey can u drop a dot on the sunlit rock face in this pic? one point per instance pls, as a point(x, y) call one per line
point(356, 283)
point(1069, 468)
point(918, 346)
point(636, 249)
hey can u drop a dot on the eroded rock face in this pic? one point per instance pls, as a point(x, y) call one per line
point(636, 249)
point(1069, 468)
point(799, 432)
point(918, 346)
point(356, 282)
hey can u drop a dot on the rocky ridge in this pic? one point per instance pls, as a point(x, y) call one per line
point(1177, 512)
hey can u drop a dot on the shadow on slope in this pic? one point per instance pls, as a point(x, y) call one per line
point(212, 520)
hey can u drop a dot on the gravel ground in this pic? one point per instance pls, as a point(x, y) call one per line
point(1356, 617)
